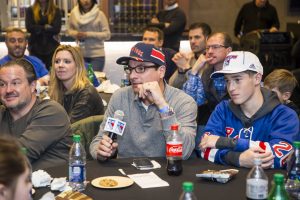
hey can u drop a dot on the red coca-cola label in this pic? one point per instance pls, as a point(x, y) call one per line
point(174, 149)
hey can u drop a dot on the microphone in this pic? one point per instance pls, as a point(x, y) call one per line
point(115, 126)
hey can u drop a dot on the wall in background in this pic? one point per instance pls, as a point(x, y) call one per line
point(221, 14)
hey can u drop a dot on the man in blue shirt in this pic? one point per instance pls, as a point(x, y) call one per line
point(16, 43)
point(253, 123)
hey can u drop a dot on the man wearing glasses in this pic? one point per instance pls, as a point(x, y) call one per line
point(150, 107)
point(207, 92)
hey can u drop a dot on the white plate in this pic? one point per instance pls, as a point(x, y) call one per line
point(121, 180)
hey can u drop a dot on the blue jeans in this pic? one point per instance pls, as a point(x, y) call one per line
point(97, 63)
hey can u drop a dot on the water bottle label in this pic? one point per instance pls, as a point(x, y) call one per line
point(174, 149)
point(77, 173)
point(257, 189)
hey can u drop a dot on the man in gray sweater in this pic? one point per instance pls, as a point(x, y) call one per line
point(150, 106)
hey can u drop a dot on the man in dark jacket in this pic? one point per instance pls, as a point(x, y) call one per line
point(256, 15)
point(172, 21)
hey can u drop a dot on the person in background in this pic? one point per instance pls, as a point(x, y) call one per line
point(198, 34)
point(209, 92)
point(253, 123)
point(155, 36)
point(15, 172)
point(16, 43)
point(150, 106)
point(41, 126)
point(89, 26)
point(43, 22)
point(70, 87)
point(172, 21)
point(283, 82)
point(254, 16)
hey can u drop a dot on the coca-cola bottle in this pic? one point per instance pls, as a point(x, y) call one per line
point(174, 152)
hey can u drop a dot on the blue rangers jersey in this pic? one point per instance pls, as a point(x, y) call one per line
point(273, 127)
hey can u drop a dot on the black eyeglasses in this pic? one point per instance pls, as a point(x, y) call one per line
point(215, 46)
point(138, 69)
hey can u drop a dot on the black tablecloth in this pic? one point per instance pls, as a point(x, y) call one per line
point(235, 189)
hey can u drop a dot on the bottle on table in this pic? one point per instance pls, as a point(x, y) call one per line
point(77, 168)
point(125, 80)
point(174, 152)
point(257, 182)
point(293, 173)
point(91, 75)
point(188, 191)
point(278, 191)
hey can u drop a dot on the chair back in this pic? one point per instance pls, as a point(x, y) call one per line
point(87, 128)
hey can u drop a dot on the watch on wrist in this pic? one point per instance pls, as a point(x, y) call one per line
point(168, 112)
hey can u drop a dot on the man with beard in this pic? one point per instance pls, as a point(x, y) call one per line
point(16, 43)
point(150, 106)
point(198, 34)
point(41, 126)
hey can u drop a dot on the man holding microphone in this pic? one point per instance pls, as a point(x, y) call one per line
point(150, 106)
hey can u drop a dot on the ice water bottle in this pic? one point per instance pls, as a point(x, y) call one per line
point(278, 191)
point(174, 152)
point(188, 191)
point(293, 173)
point(257, 182)
point(77, 161)
point(125, 80)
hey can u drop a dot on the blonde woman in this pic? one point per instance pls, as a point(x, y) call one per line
point(70, 86)
point(43, 22)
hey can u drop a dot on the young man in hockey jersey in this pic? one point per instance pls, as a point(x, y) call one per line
point(253, 124)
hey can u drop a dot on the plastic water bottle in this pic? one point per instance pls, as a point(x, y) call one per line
point(77, 161)
point(257, 182)
point(278, 191)
point(188, 191)
point(293, 173)
point(174, 152)
point(125, 80)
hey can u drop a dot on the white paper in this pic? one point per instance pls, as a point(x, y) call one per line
point(148, 180)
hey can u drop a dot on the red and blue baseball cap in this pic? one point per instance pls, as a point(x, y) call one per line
point(144, 53)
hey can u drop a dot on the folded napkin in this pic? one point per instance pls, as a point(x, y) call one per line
point(60, 184)
point(40, 178)
point(148, 180)
point(107, 87)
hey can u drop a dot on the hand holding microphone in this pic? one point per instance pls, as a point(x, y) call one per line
point(114, 126)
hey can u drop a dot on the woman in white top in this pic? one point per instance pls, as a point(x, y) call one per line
point(89, 26)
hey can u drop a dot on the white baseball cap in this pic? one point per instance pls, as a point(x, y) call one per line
point(239, 61)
